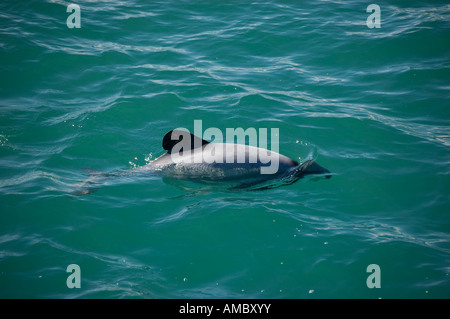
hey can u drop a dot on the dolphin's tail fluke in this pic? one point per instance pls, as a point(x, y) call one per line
point(310, 167)
point(88, 186)
point(84, 191)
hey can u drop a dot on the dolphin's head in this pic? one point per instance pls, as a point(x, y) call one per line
point(310, 167)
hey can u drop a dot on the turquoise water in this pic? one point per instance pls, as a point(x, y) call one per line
point(371, 105)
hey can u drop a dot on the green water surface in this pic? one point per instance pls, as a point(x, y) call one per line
point(369, 104)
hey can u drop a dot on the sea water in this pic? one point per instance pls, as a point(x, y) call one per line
point(97, 85)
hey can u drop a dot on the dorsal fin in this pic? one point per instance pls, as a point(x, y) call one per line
point(189, 141)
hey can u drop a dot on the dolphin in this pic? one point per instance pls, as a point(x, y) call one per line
point(189, 157)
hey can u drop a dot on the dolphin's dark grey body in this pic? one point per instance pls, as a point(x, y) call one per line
point(189, 157)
